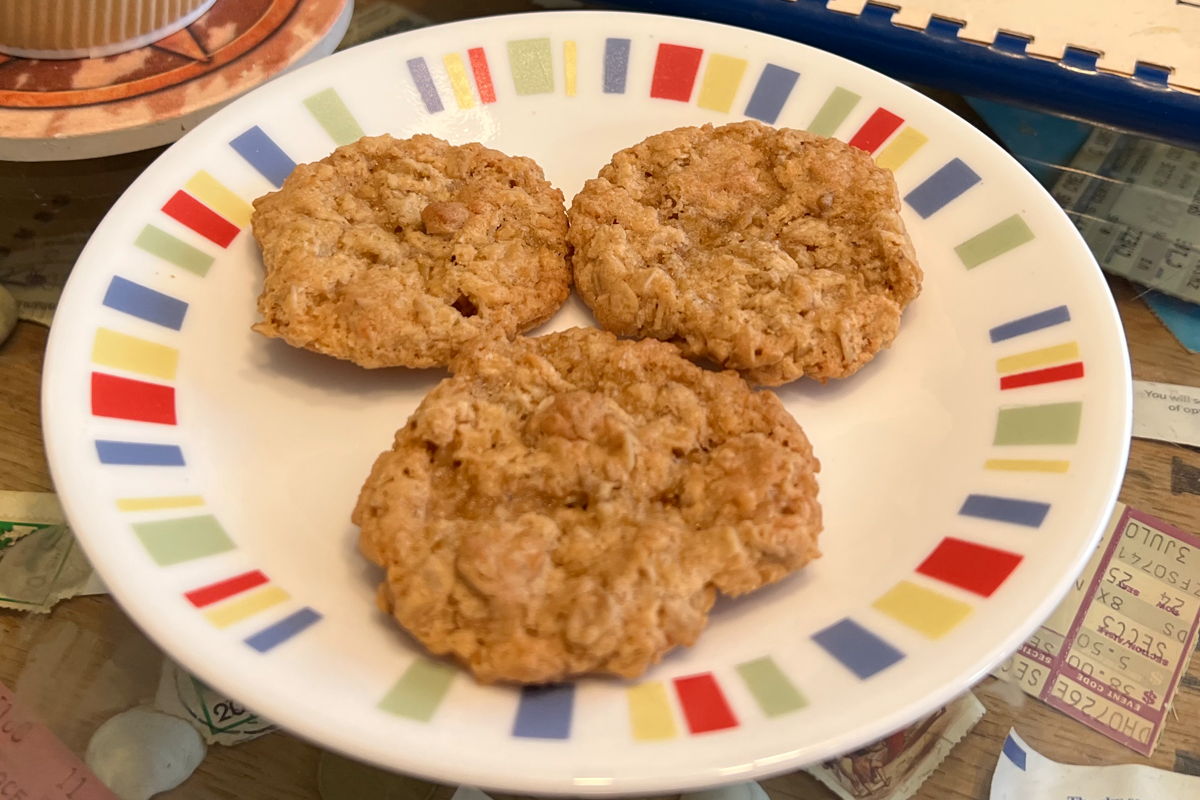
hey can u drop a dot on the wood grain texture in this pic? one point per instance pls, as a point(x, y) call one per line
point(22, 459)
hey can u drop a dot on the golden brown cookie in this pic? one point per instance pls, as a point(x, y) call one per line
point(398, 252)
point(573, 503)
point(771, 251)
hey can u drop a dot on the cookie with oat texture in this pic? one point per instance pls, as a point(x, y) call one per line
point(398, 252)
point(574, 503)
point(774, 252)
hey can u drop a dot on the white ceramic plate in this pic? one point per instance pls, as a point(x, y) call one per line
point(210, 472)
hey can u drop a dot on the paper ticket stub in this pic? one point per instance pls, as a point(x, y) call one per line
point(1167, 412)
point(1111, 655)
point(219, 719)
point(1022, 773)
point(35, 764)
point(895, 767)
point(22, 513)
point(1137, 203)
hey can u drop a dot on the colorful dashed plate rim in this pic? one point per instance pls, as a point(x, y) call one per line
point(992, 437)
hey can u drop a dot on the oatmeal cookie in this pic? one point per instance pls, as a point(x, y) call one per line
point(573, 503)
point(398, 252)
point(770, 251)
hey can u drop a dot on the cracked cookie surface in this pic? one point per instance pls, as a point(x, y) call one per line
point(770, 251)
point(573, 503)
point(393, 252)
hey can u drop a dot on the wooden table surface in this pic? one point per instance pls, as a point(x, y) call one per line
point(86, 661)
point(70, 694)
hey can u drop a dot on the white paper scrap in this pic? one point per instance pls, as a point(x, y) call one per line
point(1167, 412)
point(1022, 773)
